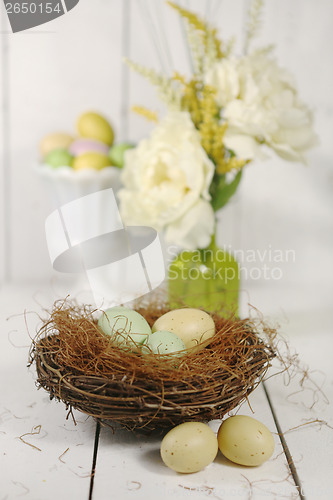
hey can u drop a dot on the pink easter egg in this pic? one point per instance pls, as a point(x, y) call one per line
point(81, 146)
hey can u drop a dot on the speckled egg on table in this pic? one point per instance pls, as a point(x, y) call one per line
point(125, 326)
point(189, 447)
point(245, 441)
point(193, 326)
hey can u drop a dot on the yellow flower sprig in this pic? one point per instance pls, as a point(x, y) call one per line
point(199, 100)
point(254, 21)
point(169, 93)
point(194, 96)
point(209, 35)
point(146, 113)
point(226, 165)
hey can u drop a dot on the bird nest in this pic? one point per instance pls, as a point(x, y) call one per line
point(79, 365)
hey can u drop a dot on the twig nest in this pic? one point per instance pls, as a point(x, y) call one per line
point(81, 366)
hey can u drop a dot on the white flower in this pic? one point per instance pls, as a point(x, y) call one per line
point(195, 228)
point(266, 109)
point(224, 76)
point(166, 183)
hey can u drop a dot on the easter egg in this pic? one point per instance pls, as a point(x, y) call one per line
point(245, 441)
point(95, 126)
point(58, 140)
point(58, 158)
point(163, 342)
point(193, 326)
point(125, 326)
point(189, 447)
point(91, 160)
point(81, 146)
point(117, 153)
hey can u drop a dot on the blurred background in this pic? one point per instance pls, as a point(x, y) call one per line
point(51, 74)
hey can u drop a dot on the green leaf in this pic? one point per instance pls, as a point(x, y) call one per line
point(224, 191)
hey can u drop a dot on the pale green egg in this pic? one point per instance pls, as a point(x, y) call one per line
point(164, 342)
point(117, 153)
point(59, 158)
point(125, 326)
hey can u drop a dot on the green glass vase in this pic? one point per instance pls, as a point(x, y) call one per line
point(208, 278)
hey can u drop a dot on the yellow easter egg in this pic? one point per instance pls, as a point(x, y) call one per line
point(91, 160)
point(58, 140)
point(245, 441)
point(95, 126)
point(193, 326)
point(189, 447)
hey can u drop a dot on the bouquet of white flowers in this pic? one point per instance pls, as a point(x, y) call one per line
point(231, 110)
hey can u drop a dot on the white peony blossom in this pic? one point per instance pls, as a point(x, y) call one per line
point(224, 77)
point(195, 228)
point(265, 108)
point(166, 182)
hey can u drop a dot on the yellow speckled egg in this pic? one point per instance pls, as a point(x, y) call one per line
point(245, 441)
point(95, 126)
point(59, 140)
point(191, 325)
point(189, 447)
point(91, 160)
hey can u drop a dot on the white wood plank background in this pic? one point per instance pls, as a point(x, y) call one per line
point(74, 63)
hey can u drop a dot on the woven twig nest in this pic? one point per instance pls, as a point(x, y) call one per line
point(80, 366)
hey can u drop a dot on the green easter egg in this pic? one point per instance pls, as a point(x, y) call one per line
point(164, 342)
point(124, 326)
point(117, 153)
point(59, 158)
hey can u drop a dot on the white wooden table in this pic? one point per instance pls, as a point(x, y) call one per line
point(44, 456)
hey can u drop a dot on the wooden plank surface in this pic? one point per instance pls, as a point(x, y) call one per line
point(305, 413)
point(129, 465)
point(43, 455)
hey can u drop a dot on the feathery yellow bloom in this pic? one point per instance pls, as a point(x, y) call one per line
point(227, 165)
point(146, 113)
point(168, 92)
point(208, 34)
